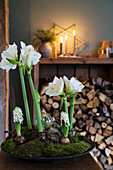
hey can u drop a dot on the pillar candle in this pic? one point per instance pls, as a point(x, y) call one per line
point(74, 51)
point(61, 46)
point(66, 44)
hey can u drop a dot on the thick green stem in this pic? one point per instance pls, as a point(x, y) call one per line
point(65, 129)
point(65, 105)
point(18, 129)
point(25, 99)
point(37, 106)
point(72, 103)
point(61, 104)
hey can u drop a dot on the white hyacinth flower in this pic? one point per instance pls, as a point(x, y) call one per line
point(11, 54)
point(73, 86)
point(18, 115)
point(55, 88)
point(64, 117)
point(29, 55)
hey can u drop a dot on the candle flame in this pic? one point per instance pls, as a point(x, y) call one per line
point(66, 37)
point(73, 32)
point(61, 39)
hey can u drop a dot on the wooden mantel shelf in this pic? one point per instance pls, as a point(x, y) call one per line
point(76, 61)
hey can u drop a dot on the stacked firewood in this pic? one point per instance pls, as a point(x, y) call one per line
point(93, 116)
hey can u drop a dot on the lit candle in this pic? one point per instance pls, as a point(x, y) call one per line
point(66, 43)
point(61, 47)
point(74, 43)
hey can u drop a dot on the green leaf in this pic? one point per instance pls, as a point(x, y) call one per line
point(37, 96)
point(12, 61)
point(23, 69)
point(31, 66)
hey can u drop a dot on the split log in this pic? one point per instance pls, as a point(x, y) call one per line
point(109, 140)
point(106, 85)
point(89, 122)
point(83, 133)
point(50, 101)
point(47, 107)
point(78, 115)
point(55, 105)
point(57, 98)
point(56, 113)
point(97, 125)
point(42, 92)
point(109, 92)
point(102, 97)
point(107, 132)
point(96, 152)
point(80, 101)
point(85, 117)
point(103, 158)
point(81, 123)
point(108, 101)
point(107, 152)
point(87, 84)
point(91, 94)
point(98, 137)
point(92, 130)
point(102, 146)
point(43, 99)
point(94, 103)
point(109, 128)
point(111, 106)
point(94, 110)
point(100, 131)
point(108, 167)
point(109, 159)
point(83, 107)
point(108, 121)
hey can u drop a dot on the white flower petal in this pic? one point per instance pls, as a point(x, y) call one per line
point(5, 65)
point(64, 117)
point(18, 115)
point(29, 51)
point(55, 88)
point(23, 45)
point(73, 86)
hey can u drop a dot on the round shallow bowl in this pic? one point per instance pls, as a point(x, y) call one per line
point(54, 158)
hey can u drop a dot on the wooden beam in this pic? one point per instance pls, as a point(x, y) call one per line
point(7, 75)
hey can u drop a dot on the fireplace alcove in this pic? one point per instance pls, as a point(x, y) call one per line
point(77, 67)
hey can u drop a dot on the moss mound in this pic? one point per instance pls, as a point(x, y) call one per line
point(66, 150)
point(8, 146)
point(32, 148)
point(36, 149)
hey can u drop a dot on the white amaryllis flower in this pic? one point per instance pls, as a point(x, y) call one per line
point(64, 117)
point(55, 88)
point(11, 54)
point(73, 86)
point(29, 55)
point(18, 115)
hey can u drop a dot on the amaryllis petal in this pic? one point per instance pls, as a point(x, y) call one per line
point(73, 86)
point(29, 51)
point(56, 87)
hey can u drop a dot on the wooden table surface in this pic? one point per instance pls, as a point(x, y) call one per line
point(85, 162)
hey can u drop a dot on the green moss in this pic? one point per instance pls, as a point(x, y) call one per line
point(35, 148)
point(25, 129)
point(32, 148)
point(66, 150)
point(78, 138)
point(29, 134)
point(8, 145)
